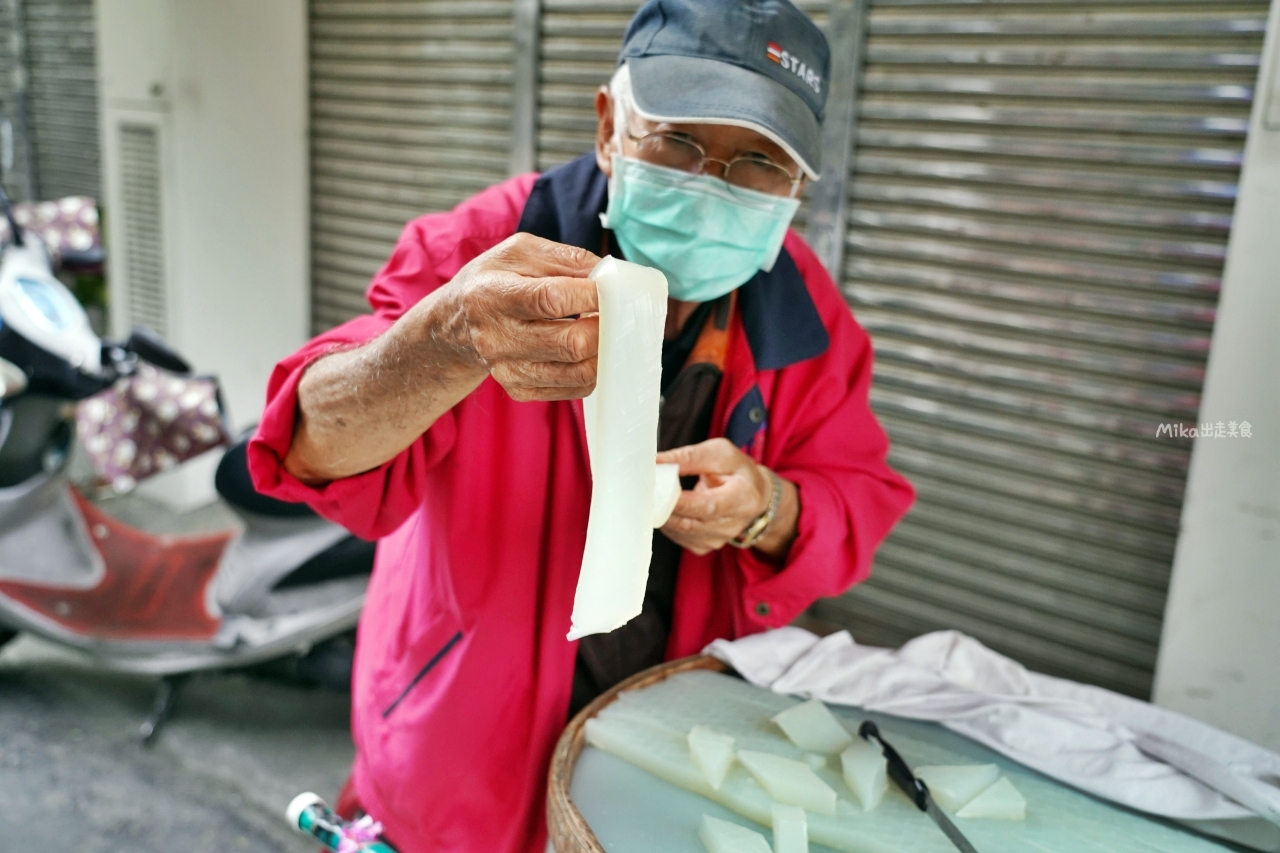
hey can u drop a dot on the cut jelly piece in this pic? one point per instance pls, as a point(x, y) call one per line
point(816, 761)
point(813, 728)
point(865, 772)
point(790, 782)
point(666, 491)
point(721, 836)
point(621, 418)
point(954, 785)
point(712, 752)
point(790, 829)
point(1001, 801)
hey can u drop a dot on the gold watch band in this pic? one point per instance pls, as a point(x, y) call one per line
point(753, 531)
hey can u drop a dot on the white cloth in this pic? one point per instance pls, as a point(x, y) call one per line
point(1078, 734)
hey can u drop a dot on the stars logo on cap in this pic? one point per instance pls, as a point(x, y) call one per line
point(792, 63)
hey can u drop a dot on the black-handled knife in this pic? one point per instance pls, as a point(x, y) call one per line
point(914, 788)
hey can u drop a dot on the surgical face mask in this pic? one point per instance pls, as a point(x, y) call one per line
point(706, 238)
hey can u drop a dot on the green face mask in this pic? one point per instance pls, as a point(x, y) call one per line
point(705, 238)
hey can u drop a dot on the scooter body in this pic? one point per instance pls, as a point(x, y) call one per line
point(132, 600)
point(162, 605)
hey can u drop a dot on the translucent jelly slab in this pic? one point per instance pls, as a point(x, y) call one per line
point(866, 773)
point(789, 781)
point(790, 829)
point(622, 440)
point(648, 729)
point(722, 836)
point(666, 492)
point(1000, 801)
point(812, 727)
point(712, 752)
point(953, 785)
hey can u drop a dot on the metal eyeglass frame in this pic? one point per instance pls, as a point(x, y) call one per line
point(794, 182)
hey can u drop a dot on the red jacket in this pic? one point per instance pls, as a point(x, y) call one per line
point(463, 672)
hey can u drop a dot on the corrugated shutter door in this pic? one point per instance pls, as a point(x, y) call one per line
point(16, 179)
point(64, 96)
point(580, 43)
point(410, 113)
point(1039, 207)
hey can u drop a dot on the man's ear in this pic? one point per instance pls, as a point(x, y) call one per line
point(604, 131)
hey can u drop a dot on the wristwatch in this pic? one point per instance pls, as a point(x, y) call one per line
point(753, 531)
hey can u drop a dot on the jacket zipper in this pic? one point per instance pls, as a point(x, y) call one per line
point(427, 667)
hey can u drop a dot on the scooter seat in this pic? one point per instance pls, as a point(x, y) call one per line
point(236, 487)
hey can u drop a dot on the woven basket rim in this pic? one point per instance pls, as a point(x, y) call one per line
point(566, 826)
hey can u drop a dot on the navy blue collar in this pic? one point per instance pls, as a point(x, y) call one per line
point(778, 315)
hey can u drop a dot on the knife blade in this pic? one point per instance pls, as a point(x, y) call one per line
point(914, 788)
point(948, 828)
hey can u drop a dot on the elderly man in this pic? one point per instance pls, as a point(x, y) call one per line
point(447, 425)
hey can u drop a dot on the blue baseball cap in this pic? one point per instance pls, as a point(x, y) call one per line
point(761, 64)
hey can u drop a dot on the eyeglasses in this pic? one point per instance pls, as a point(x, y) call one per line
point(749, 172)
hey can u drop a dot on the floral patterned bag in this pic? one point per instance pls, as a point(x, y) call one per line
point(149, 422)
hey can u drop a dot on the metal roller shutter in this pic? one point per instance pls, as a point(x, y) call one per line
point(579, 52)
point(18, 179)
point(64, 96)
point(410, 113)
point(1039, 207)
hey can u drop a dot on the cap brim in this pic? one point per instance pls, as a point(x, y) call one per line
point(690, 89)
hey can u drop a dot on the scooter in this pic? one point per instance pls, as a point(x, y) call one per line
point(289, 585)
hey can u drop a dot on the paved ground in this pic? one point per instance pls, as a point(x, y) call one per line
point(73, 776)
point(74, 779)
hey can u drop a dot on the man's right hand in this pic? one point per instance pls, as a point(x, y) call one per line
point(515, 312)
point(512, 312)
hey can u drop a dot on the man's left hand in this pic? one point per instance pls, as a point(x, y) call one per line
point(732, 491)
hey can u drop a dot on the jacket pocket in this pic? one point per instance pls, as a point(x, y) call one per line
point(422, 672)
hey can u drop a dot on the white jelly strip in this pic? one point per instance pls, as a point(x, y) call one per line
point(622, 440)
point(666, 492)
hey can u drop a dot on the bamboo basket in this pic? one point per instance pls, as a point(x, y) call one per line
point(568, 830)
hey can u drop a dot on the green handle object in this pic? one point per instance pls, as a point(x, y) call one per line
point(309, 814)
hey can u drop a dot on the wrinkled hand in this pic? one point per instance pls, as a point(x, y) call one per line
point(732, 491)
point(512, 311)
